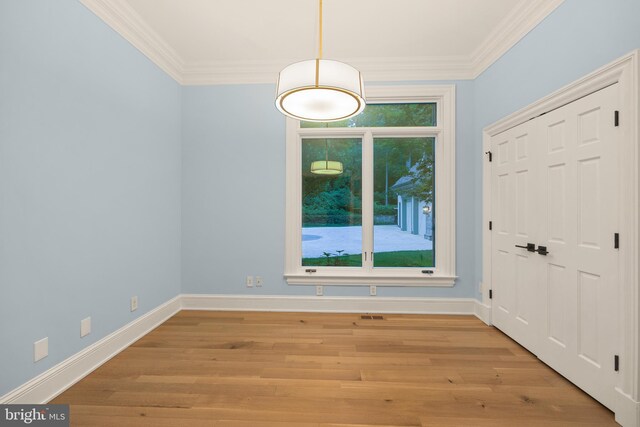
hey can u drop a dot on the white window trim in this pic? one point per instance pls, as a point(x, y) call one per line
point(444, 273)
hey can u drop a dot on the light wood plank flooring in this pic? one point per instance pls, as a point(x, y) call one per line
point(310, 369)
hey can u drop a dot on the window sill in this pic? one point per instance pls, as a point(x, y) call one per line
point(368, 280)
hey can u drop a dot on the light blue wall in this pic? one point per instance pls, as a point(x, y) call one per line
point(89, 182)
point(223, 244)
point(100, 151)
point(576, 39)
point(234, 203)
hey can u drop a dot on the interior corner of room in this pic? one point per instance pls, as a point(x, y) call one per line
point(144, 187)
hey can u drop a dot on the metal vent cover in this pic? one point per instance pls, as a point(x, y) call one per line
point(371, 317)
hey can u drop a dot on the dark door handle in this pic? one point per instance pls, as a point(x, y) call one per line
point(531, 247)
point(542, 250)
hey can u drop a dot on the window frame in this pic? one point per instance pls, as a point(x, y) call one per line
point(444, 273)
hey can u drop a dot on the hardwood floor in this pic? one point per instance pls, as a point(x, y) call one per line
point(310, 369)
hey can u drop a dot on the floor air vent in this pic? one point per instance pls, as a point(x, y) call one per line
point(367, 317)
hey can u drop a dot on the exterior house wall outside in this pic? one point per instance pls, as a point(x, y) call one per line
point(407, 219)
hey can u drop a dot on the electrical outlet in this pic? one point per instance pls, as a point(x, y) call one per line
point(249, 281)
point(373, 291)
point(319, 291)
point(85, 327)
point(40, 349)
point(259, 281)
point(134, 303)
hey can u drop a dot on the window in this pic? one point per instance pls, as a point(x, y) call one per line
point(371, 200)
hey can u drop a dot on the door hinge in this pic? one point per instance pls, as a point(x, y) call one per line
point(616, 363)
point(490, 155)
point(616, 241)
point(490, 293)
point(490, 225)
point(616, 118)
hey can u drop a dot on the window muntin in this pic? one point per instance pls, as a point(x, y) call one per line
point(386, 115)
point(403, 190)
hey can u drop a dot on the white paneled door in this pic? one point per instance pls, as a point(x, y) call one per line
point(514, 227)
point(554, 188)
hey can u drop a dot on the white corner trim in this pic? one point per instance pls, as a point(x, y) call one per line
point(627, 410)
point(325, 304)
point(120, 16)
point(510, 31)
point(482, 311)
point(57, 379)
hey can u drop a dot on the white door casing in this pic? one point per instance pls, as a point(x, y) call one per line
point(624, 71)
point(554, 184)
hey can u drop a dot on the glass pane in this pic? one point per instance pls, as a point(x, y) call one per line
point(379, 115)
point(332, 202)
point(403, 226)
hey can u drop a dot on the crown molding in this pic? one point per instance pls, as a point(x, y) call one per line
point(231, 72)
point(416, 68)
point(373, 69)
point(130, 25)
point(517, 24)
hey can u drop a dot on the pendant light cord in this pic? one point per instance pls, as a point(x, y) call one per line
point(326, 150)
point(320, 29)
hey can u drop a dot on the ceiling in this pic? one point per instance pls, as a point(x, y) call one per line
point(249, 41)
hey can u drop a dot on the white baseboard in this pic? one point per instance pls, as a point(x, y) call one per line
point(627, 410)
point(482, 312)
point(57, 379)
point(329, 304)
point(54, 381)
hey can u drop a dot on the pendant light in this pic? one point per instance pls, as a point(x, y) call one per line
point(320, 90)
point(326, 166)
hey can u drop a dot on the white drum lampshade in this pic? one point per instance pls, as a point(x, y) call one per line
point(326, 167)
point(320, 90)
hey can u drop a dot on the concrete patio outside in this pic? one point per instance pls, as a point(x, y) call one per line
point(386, 238)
